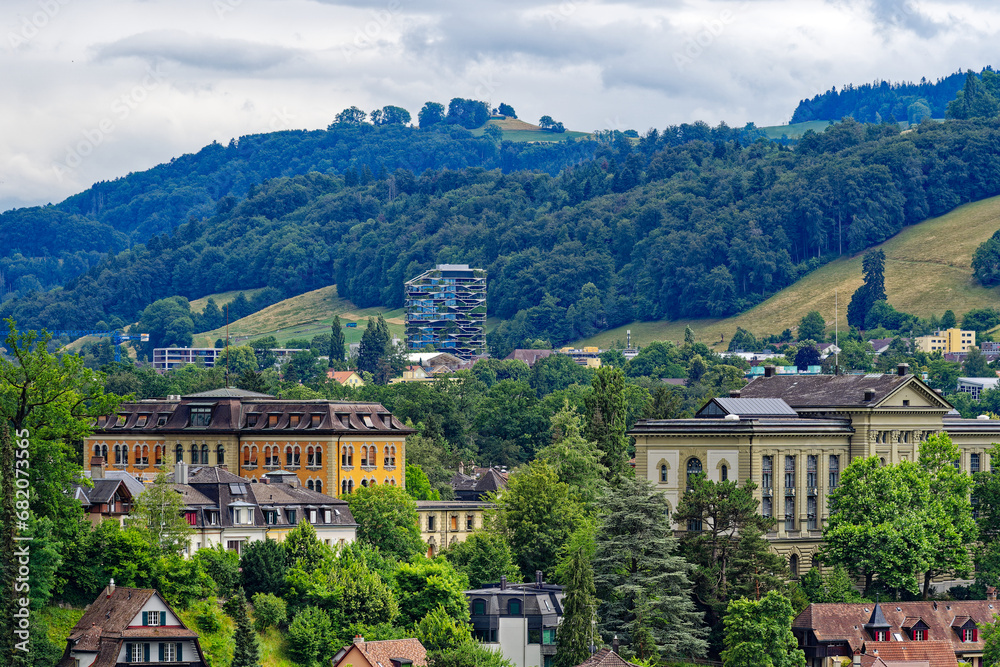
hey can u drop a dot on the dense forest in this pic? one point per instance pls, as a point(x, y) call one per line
point(884, 101)
point(670, 225)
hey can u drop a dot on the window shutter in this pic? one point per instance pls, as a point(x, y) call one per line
point(145, 618)
point(145, 651)
point(128, 653)
point(161, 651)
point(180, 654)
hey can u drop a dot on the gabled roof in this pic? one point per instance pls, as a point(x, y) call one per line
point(529, 356)
point(606, 658)
point(931, 653)
point(816, 391)
point(382, 653)
point(749, 407)
point(491, 481)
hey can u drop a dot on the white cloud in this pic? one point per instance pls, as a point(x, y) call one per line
point(226, 68)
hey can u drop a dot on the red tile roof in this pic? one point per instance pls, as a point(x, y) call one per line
point(384, 652)
point(605, 658)
point(932, 653)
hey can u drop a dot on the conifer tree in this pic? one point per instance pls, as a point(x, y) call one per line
point(574, 635)
point(606, 412)
point(247, 651)
point(643, 583)
point(337, 346)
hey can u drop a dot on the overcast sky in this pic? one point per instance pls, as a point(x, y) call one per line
point(94, 89)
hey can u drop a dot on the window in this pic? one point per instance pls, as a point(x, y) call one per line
point(272, 420)
point(315, 421)
point(220, 455)
point(204, 455)
point(293, 420)
point(141, 421)
point(191, 518)
point(789, 512)
point(534, 635)
point(694, 525)
point(319, 487)
point(514, 607)
point(194, 454)
point(789, 472)
point(811, 463)
point(246, 456)
point(200, 416)
point(881, 635)
point(766, 507)
point(169, 653)
point(121, 421)
point(310, 456)
point(161, 420)
point(385, 457)
point(347, 456)
point(364, 455)
point(158, 455)
point(319, 456)
point(430, 522)
point(793, 565)
point(918, 634)
point(312, 517)
point(973, 462)
point(290, 515)
point(767, 472)
point(343, 487)
point(693, 469)
point(138, 652)
point(251, 420)
point(478, 607)
point(969, 635)
point(470, 521)
point(724, 473)
point(234, 545)
point(663, 473)
point(811, 513)
point(309, 485)
point(549, 636)
point(392, 456)
point(834, 471)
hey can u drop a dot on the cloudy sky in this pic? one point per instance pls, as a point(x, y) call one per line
point(94, 89)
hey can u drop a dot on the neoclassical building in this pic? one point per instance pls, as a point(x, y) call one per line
point(332, 447)
point(793, 435)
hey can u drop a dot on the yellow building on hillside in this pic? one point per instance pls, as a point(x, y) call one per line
point(949, 340)
point(332, 447)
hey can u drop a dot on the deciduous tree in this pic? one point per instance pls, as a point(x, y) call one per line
point(483, 557)
point(387, 519)
point(759, 633)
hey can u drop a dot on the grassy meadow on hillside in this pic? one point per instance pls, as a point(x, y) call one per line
point(928, 270)
point(519, 131)
point(304, 316)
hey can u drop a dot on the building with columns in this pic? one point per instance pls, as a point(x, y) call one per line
point(792, 435)
point(332, 447)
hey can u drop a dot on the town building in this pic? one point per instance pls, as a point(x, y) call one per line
point(519, 620)
point(131, 625)
point(346, 378)
point(446, 311)
point(385, 653)
point(589, 357)
point(169, 358)
point(606, 657)
point(225, 510)
point(530, 357)
point(444, 523)
point(948, 340)
point(792, 435)
point(940, 633)
point(331, 446)
point(479, 485)
point(976, 386)
point(110, 495)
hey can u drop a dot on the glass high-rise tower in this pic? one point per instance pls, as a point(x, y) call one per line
point(446, 311)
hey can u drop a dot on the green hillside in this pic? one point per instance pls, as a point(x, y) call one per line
point(304, 316)
point(795, 130)
point(928, 270)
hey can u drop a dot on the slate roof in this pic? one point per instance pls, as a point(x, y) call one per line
point(229, 392)
point(529, 357)
point(104, 489)
point(606, 658)
point(382, 653)
point(811, 391)
point(844, 623)
point(750, 407)
point(931, 653)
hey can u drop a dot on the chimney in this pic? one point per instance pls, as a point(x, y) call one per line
point(869, 395)
point(358, 639)
point(857, 658)
point(734, 393)
point(614, 645)
point(538, 579)
point(768, 371)
point(97, 467)
point(180, 473)
point(503, 582)
point(111, 588)
point(991, 593)
point(902, 369)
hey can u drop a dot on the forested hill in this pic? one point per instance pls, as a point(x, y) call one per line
point(882, 101)
point(42, 247)
point(645, 230)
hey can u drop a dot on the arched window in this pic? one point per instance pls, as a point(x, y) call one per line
point(693, 469)
point(319, 486)
point(364, 455)
point(319, 456)
point(343, 456)
point(392, 456)
point(350, 455)
point(194, 454)
point(296, 453)
point(310, 456)
point(97, 450)
point(138, 455)
point(246, 456)
point(372, 482)
point(663, 473)
point(288, 455)
point(204, 455)
point(392, 481)
point(125, 455)
point(350, 486)
point(145, 455)
point(158, 455)
point(118, 454)
point(309, 485)
point(793, 565)
point(343, 488)
point(253, 455)
point(104, 452)
point(364, 483)
point(724, 472)
point(385, 457)
point(179, 453)
point(220, 456)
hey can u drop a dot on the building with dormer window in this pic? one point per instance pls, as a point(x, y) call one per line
point(131, 625)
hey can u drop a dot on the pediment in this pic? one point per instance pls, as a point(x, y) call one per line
point(916, 394)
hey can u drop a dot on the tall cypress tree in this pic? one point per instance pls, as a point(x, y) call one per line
point(337, 343)
point(873, 269)
point(247, 651)
point(574, 635)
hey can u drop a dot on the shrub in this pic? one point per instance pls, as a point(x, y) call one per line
point(309, 636)
point(268, 610)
